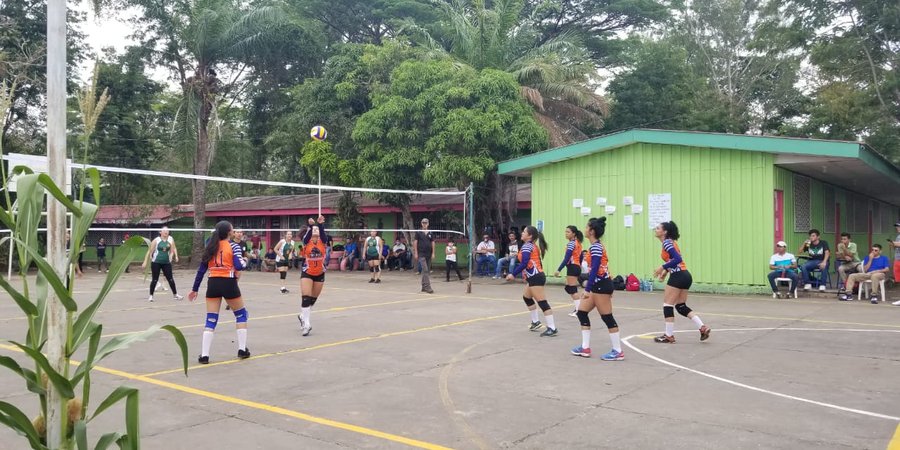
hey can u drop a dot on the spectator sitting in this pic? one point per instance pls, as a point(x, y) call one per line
point(783, 265)
point(585, 268)
point(875, 268)
point(486, 257)
point(819, 256)
point(270, 260)
point(350, 255)
point(254, 259)
point(511, 258)
point(398, 257)
point(847, 258)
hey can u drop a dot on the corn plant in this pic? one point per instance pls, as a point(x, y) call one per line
point(73, 382)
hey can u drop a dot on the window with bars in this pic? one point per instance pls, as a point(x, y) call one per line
point(830, 225)
point(802, 204)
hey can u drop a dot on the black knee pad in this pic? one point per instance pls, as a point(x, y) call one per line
point(583, 318)
point(683, 309)
point(528, 301)
point(306, 301)
point(609, 320)
point(372, 269)
point(312, 301)
point(544, 305)
point(283, 275)
point(571, 289)
point(378, 268)
point(668, 311)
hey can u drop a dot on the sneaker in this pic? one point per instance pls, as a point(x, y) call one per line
point(613, 355)
point(244, 354)
point(549, 332)
point(704, 332)
point(284, 291)
point(821, 288)
point(428, 291)
point(495, 277)
point(179, 297)
point(371, 280)
point(845, 297)
point(378, 281)
point(306, 331)
point(99, 271)
point(664, 339)
point(807, 287)
point(897, 303)
point(776, 295)
point(150, 299)
point(580, 351)
point(535, 326)
point(874, 300)
point(573, 313)
point(302, 324)
point(203, 360)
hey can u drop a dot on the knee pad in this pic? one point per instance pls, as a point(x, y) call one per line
point(305, 302)
point(378, 268)
point(583, 318)
point(571, 290)
point(241, 316)
point(544, 305)
point(528, 301)
point(283, 275)
point(212, 319)
point(668, 311)
point(312, 301)
point(683, 309)
point(372, 269)
point(609, 320)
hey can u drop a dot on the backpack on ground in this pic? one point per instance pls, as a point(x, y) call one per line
point(632, 283)
point(619, 283)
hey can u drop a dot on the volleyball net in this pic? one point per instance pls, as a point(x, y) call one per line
point(266, 211)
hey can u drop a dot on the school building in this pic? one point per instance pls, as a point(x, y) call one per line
point(732, 196)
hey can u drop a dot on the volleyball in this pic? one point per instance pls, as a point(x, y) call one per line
point(318, 133)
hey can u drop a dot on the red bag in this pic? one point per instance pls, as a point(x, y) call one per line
point(632, 283)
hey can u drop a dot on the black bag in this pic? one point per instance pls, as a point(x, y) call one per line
point(619, 283)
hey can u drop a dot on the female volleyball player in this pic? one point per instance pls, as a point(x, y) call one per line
point(675, 294)
point(223, 259)
point(312, 278)
point(572, 262)
point(284, 251)
point(372, 252)
point(599, 295)
point(530, 264)
point(162, 253)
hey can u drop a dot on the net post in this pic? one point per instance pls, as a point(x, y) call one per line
point(470, 193)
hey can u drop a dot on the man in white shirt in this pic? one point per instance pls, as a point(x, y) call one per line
point(399, 256)
point(508, 261)
point(783, 265)
point(486, 256)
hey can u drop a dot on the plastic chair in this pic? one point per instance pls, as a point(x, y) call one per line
point(816, 276)
point(785, 281)
point(867, 286)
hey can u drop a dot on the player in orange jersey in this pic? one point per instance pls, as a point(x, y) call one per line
point(223, 259)
point(599, 295)
point(312, 278)
point(675, 295)
point(572, 262)
point(530, 265)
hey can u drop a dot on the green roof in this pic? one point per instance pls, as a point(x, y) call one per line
point(768, 144)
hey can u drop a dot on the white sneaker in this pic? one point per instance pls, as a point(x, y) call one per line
point(574, 313)
point(822, 287)
point(807, 287)
point(897, 303)
point(150, 299)
point(774, 295)
point(179, 297)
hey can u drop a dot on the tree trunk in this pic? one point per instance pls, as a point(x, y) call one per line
point(201, 167)
point(407, 221)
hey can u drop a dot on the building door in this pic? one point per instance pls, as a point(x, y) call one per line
point(779, 215)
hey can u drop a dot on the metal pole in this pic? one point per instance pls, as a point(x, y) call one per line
point(320, 191)
point(56, 213)
point(470, 192)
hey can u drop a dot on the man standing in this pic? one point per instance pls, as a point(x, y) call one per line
point(874, 268)
point(847, 258)
point(256, 241)
point(783, 265)
point(423, 250)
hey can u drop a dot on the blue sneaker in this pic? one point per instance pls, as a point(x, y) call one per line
point(613, 356)
point(580, 351)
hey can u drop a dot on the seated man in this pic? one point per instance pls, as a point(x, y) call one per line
point(847, 258)
point(819, 256)
point(270, 260)
point(509, 261)
point(350, 254)
point(253, 257)
point(396, 260)
point(875, 268)
point(486, 256)
point(783, 265)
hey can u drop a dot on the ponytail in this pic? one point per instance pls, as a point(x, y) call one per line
point(598, 226)
point(579, 235)
point(671, 230)
point(538, 239)
point(212, 245)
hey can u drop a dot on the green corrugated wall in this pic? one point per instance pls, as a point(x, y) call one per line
point(722, 201)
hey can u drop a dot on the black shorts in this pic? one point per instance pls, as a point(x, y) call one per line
point(372, 258)
point(680, 280)
point(282, 263)
point(573, 270)
point(316, 278)
point(603, 286)
point(226, 288)
point(537, 280)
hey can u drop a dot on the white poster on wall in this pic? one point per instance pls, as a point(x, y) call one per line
point(637, 209)
point(601, 201)
point(659, 209)
point(585, 211)
point(629, 221)
point(577, 202)
point(628, 201)
point(609, 209)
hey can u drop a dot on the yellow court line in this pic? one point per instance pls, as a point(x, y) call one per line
point(339, 343)
point(107, 311)
point(265, 407)
point(277, 316)
point(894, 444)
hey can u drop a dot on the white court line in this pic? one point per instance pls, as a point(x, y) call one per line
point(627, 342)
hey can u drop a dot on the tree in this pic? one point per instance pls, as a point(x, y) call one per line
point(366, 21)
point(199, 39)
point(440, 124)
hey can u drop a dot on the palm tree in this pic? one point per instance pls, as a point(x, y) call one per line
point(198, 40)
point(555, 76)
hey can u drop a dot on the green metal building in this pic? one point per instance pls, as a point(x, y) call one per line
point(732, 196)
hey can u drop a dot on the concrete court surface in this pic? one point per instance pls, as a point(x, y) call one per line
point(389, 367)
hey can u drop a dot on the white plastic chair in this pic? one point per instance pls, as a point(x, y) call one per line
point(867, 287)
point(787, 281)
